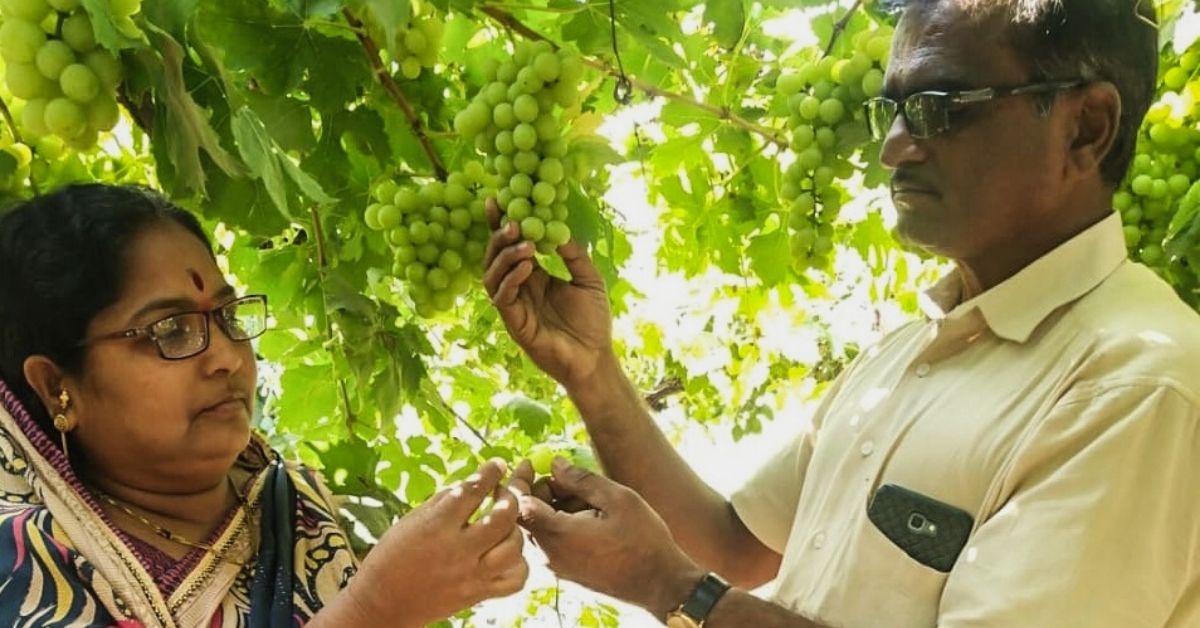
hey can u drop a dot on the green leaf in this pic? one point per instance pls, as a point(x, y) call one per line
point(390, 15)
point(770, 257)
point(112, 34)
point(185, 129)
point(729, 20)
point(171, 16)
point(314, 8)
point(258, 151)
point(306, 183)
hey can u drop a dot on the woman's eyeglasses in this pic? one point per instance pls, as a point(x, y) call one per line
point(927, 114)
point(186, 334)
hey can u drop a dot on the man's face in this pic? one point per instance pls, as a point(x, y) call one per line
point(970, 192)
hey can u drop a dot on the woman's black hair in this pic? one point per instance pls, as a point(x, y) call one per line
point(63, 259)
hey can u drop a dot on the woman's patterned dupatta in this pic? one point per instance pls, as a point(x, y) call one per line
point(63, 562)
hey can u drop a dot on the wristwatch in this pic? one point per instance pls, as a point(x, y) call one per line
point(695, 609)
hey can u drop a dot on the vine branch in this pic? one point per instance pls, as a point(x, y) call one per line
point(511, 22)
point(841, 26)
point(12, 125)
point(657, 399)
point(389, 85)
point(318, 236)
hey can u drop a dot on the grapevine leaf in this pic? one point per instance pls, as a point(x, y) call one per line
point(113, 34)
point(728, 18)
point(186, 130)
point(258, 151)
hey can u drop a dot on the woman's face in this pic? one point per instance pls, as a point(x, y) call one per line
point(157, 424)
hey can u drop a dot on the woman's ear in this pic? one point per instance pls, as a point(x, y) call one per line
point(46, 379)
point(1097, 122)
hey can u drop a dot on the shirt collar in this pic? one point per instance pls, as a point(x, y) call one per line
point(1015, 307)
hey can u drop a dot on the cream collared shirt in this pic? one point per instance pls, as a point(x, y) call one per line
point(1060, 408)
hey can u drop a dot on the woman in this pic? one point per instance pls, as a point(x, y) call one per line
point(132, 491)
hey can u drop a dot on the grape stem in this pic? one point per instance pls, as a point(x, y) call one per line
point(840, 27)
point(512, 23)
point(393, 90)
point(16, 133)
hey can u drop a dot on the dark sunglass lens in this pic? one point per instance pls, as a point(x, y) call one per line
point(926, 115)
point(881, 112)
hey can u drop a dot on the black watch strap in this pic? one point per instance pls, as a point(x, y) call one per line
point(704, 597)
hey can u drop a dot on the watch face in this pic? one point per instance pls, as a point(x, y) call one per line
point(678, 620)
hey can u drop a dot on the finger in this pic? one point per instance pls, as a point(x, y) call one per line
point(543, 490)
point(498, 524)
point(506, 293)
point(502, 556)
point(462, 501)
point(501, 237)
point(507, 262)
point(522, 479)
point(536, 516)
point(493, 213)
point(576, 482)
point(583, 271)
point(571, 505)
point(511, 581)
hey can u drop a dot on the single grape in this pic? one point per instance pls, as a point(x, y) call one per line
point(77, 32)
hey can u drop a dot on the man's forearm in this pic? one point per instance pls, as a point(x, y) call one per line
point(637, 454)
point(738, 608)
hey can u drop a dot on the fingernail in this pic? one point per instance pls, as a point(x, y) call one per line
point(560, 463)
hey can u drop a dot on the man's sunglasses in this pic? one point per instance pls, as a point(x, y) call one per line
point(927, 114)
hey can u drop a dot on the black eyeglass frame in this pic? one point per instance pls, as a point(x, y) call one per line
point(943, 103)
point(148, 330)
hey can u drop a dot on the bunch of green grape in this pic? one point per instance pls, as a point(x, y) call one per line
point(824, 100)
point(1163, 175)
point(52, 62)
point(438, 233)
point(515, 122)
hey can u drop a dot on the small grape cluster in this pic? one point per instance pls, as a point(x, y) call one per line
point(417, 43)
point(824, 101)
point(515, 124)
point(15, 162)
point(438, 233)
point(1163, 176)
point(52, 62)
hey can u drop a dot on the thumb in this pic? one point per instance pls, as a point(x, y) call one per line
point(579, 483)
point(579, 264)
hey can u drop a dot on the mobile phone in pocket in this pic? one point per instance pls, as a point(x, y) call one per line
point(932, 532)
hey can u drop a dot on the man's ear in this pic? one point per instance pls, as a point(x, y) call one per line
point(1097, 122)
point(46, 379)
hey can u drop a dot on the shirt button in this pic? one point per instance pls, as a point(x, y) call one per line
point(867, 448)
point(818, 540)
point(922, 369)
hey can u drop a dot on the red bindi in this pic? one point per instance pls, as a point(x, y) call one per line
point(197, 281)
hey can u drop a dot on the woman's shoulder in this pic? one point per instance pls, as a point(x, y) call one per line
point(46, 579)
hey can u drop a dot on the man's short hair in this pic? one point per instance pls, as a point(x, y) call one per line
point(1093, 40)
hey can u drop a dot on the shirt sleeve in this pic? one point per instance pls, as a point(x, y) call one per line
point(1101, 524)
point(767, 502)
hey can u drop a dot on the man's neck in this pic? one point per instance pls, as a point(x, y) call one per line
point(1002, 262)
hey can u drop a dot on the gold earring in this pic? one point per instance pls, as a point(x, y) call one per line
point(61, 422)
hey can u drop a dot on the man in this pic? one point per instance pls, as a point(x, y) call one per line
point(1036, 437)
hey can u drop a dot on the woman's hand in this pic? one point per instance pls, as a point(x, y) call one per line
point(435, 562)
